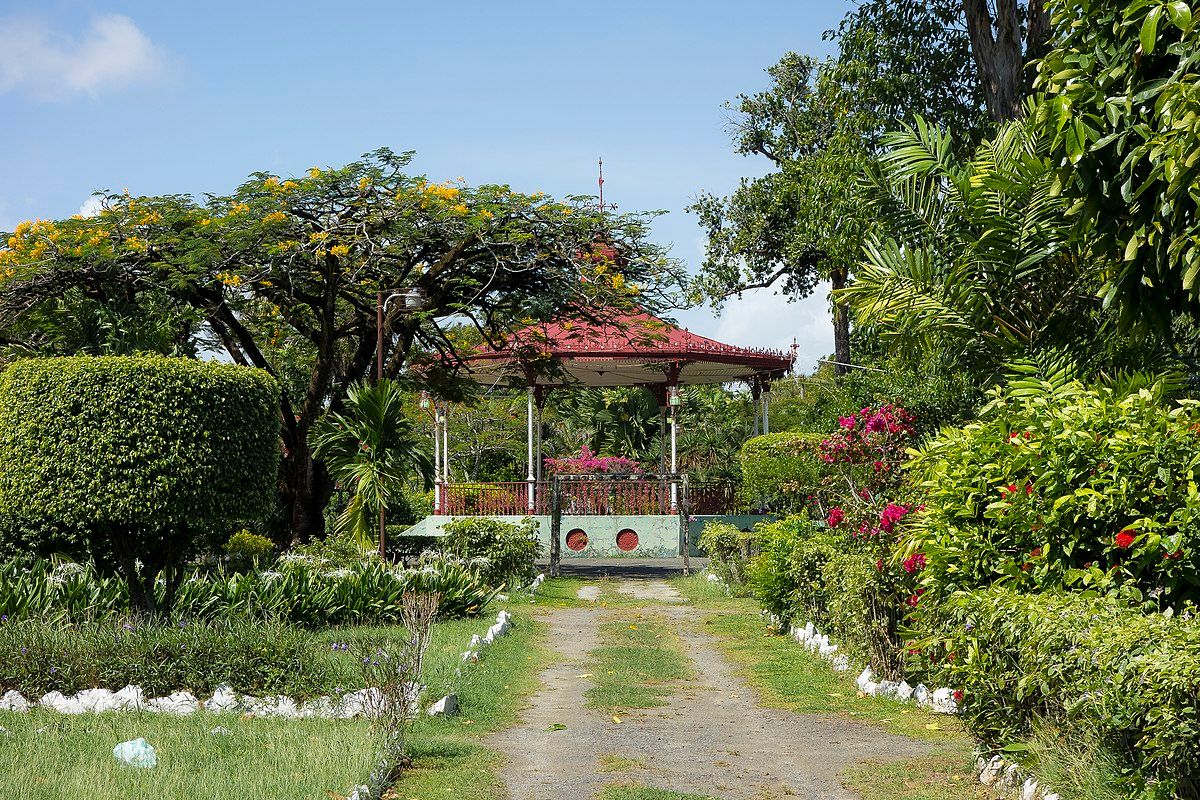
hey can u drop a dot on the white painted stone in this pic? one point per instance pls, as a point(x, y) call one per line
point(827, 650)
point(904, 692)
point(179, 703)
point(942, 701)
point(470, 656)
point(991, 772)
point(476, 641)
point(1029, 789)
point(711, 578)
point(130, 698)
point(14, 701)
point(57, 701)
point(319, 708)
point(223, 699)
point(809, 630)
point(273, 706)
point(841, 663)
point(921, 695)
point(447, 706)
point(864, 679)
point(1010, 779)
point(1051, 796)
point(888, 689)
point(97, 701)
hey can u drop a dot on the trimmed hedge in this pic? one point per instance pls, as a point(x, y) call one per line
point(145, 455)
point(780, 470)
point(1081, 663)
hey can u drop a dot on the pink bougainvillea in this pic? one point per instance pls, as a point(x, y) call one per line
point(588, 463)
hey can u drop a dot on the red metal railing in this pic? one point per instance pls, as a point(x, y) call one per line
point(586, 497)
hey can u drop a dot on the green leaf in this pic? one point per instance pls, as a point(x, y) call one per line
point(1149, 35)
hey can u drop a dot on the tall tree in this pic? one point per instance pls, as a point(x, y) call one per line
point(284, 274)
point(818, 124)
point(1006, 36)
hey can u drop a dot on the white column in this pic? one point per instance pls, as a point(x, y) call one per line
point(446, 445)
point(530, 478)
point(674, 460)
point(437, 460)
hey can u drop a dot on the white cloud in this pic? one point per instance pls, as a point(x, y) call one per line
point(91, 207)
point(52, 65)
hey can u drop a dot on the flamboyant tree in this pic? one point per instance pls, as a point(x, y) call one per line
point(284, 273)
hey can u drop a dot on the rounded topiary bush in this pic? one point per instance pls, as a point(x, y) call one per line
point(148, 456)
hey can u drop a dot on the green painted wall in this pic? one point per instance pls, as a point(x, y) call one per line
point(658, 536)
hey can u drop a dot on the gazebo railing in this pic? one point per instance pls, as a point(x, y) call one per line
point(585, 497)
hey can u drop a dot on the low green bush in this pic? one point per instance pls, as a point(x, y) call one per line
point(726, 547)
point(297, 591)
point(1082, 488)
point(38, 655)
point(781, 470)
point(504, 552)
point(246, 550)
point(1129, 680)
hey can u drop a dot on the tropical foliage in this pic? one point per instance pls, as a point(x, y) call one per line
point(371, 449)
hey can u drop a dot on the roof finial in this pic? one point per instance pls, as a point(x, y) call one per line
point(600, 182)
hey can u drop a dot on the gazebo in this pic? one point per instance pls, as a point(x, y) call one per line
point(616, 349)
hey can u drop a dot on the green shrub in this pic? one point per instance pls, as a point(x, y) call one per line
point(781, 470)
point(1088, 664)
point(726, 547)
point(1077, 487)
point(335, 551)
point(505, 552)
point(298, 591)
point(39, 655)
point(246, 550)
point(151, 457)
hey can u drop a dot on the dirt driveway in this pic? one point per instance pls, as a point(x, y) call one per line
point(711, 738)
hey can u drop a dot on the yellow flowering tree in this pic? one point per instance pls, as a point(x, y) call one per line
point(284, 272)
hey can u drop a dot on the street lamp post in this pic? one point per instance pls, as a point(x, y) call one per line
point(414, 300)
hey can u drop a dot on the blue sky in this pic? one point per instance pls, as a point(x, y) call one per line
point(173, 96)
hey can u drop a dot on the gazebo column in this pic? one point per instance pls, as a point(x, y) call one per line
point(541, 394)
point(756, 401)
point(445, 447)
point(766, 407)
point(437, 460)
point(531, 477)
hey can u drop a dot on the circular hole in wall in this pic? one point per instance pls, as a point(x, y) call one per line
point(576, 540)
point(627, 540)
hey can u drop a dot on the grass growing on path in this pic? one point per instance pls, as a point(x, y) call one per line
point(450, 760)
point(639, 792)
point(72, 757)
point(788, 676)
point(634, 668)
point(940, 776)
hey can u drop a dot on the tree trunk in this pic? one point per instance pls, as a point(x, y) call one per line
point(1001, 56)
point(309, 490)
point(841, 323)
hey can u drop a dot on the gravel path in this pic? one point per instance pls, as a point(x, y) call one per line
point(712, 738)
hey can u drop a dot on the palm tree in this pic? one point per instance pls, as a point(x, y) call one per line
point(372, 450)
point(977, 257)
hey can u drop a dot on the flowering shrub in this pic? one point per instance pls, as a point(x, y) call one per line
point(504, 552)
point(1087, 664)
point(1082, 488)
point(588, 463)
point(726, 546)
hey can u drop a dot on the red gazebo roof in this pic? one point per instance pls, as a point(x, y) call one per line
point(628, 350)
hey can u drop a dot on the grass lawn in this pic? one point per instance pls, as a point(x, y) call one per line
point(450, 760)
point(635, 666)
point(71, 758)
point(788, 676)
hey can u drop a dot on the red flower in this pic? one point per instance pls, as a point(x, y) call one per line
point(836, 515)
point(914, 600)
point(879, 565)
point(1125, 539)
point(958, 695)
point(1172, 556)
point(914, 563)
point(1028, 488)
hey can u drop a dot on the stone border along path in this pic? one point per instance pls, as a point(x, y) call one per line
point(361, 703)
point(710, 739)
